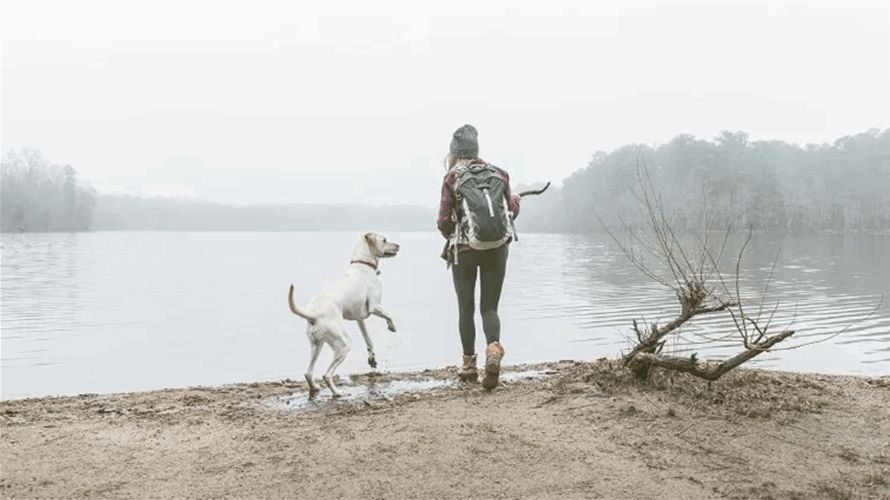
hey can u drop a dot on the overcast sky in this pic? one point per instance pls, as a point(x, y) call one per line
point(356, 101)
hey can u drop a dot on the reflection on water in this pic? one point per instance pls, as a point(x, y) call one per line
point(121, 311)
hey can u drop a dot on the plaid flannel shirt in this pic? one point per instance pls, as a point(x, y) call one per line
point(448, 203)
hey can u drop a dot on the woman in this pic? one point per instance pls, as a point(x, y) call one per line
point(491, 262)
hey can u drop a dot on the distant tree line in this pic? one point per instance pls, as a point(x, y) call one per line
point(770, 185)
point(36, 195)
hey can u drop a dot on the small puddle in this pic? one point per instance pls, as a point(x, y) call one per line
point(528, 374)
point(353, 393)
point(377, 391)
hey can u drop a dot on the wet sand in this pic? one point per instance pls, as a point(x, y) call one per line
point(554, 430)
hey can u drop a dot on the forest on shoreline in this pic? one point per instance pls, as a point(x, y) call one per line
point(767, 185)
point(38, 196)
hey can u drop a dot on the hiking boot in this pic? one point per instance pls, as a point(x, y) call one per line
point(493, 355)
point(468, 371)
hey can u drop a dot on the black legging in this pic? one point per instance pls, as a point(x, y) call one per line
point(492, 265)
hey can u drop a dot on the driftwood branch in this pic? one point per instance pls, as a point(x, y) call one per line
point(691, 268)
point(652, 342)
point(690, 272)
point(643, 362)
point(534, 191)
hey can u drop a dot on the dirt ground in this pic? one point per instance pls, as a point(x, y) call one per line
point(576, 430)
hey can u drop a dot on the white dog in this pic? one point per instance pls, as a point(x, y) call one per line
point(354, 296)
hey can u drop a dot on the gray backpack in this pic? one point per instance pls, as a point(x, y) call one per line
point(483, 213)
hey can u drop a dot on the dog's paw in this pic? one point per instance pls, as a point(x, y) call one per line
point(313, 393)
point(372, 362)
point(391, 327)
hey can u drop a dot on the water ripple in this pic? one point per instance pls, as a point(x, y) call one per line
point(128, 311)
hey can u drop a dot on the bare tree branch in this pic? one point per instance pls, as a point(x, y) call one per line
point(708, 371)
point(691, 270)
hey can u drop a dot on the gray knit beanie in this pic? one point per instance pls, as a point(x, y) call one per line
point(465, 143)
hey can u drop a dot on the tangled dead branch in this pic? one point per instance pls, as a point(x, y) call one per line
point(693, 272)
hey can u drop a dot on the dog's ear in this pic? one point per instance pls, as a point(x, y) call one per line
point(371, 238)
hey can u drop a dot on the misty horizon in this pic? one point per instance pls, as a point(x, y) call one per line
point(169, 192)
point(321, 104)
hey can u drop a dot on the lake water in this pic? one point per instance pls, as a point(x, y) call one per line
point(124, 311)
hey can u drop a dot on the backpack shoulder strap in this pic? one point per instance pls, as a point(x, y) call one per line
point(458, 181)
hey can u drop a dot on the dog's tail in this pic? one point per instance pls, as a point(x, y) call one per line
point(296, 310)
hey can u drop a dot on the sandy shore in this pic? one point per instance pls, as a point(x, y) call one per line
point(574, 430)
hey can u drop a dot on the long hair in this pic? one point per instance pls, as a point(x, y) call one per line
point(453, 161)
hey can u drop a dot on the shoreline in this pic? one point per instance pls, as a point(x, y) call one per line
point(564, 429)
point(385, 376)
point(382, 376)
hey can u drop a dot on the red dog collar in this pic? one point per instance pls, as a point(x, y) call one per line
point(372, 266)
